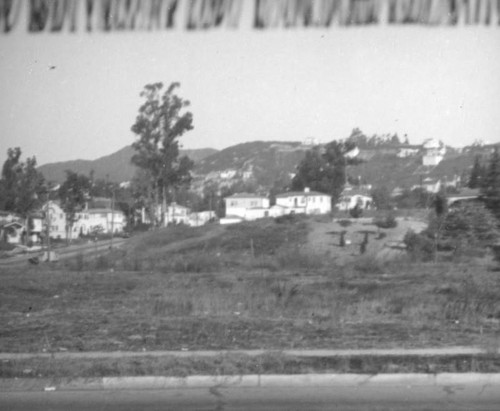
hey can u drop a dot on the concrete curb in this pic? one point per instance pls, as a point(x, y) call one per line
point(251, 381)
point(422, 352)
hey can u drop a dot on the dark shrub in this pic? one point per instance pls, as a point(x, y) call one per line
point(419, 246)
point(388, 220)
point(356, 212)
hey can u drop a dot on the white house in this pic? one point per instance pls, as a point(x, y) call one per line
point(56, 218)
point(408, 150)
point(306, 202)
point(200, 218)
point(431, 185)
point(352, 198)
point(176, 214)
point(227, 174)
point(112, 221)
point(434, 152)
point(247, 206)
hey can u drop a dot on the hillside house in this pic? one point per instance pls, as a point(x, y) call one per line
point(227, 174)
point(304, 202)
point(408, 150)
point(431, 185)
point(434, 152)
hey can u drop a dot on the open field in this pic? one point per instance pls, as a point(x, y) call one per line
point(265, 285)
point(246, 286)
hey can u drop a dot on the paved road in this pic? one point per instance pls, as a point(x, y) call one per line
point(397, 397)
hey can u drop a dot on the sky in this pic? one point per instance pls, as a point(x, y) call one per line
point(72, 96)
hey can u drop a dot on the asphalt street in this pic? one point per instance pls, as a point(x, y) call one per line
point(393, 397)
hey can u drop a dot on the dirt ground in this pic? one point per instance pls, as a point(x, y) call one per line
point(324, 238)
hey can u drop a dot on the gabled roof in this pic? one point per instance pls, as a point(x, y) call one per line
point(302, 193)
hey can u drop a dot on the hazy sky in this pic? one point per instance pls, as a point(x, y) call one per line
point(441, 82)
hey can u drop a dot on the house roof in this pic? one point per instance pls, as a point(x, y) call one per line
point(302, 193)
point(13, 223)
point(246, 195)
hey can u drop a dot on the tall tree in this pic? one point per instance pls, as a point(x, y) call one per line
point(21, 185)
point(324, 169)
point(161, 121)
point(476, 174)
point(73, 193)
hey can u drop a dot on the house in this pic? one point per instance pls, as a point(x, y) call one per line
point(349, 199)
point(247, 206)
point(12, 232)
point(176, 214)
point(304, 202)
point(200, 218)
point(408, 150)
point(431, 185)
point(227, 174)
point(56, 217)
point(111, 221)
point(434, 152)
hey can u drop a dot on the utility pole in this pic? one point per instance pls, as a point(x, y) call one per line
point(112, 218)
point(47, 230)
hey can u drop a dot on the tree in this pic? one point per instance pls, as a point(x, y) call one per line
point(160, 123)
point(324, 170)
point(22, 187)
point(381, 198)
point(73, 193)
point(476, 174)
point(491, 185)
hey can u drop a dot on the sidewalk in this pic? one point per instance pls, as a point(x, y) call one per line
point(251, 381)
point(397, 352)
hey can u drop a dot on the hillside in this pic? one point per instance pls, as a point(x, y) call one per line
point(117, 166)
point(267, 160)
point(272, 161)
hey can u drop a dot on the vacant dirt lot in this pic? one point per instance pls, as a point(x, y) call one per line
point(324, 238)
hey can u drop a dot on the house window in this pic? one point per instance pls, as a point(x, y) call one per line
point(253, 203)
point(233, 203)
point(303, 200)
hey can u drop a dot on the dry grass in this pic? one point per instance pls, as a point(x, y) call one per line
point(246, 286)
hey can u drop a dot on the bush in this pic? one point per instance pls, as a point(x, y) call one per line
point(356, 212)
point(386, 221)
point(344, 223)
point(419, 246)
